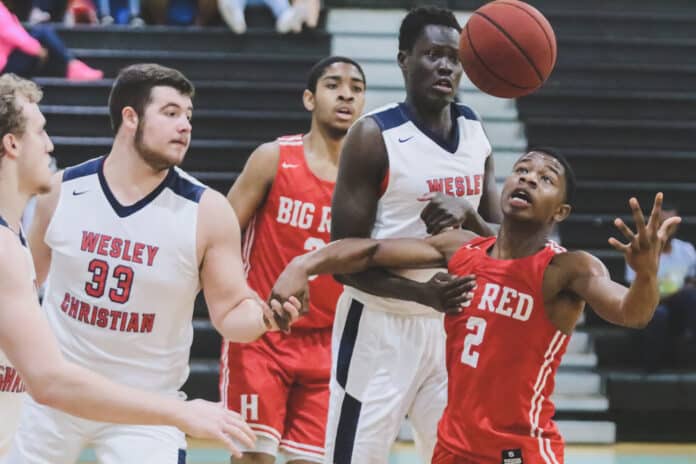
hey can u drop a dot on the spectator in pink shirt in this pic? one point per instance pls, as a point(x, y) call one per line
point(39, 52)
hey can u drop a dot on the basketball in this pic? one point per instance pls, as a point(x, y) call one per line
point(508, 48)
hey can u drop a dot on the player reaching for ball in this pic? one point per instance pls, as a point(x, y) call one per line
point(394, 366)
point(505, 346)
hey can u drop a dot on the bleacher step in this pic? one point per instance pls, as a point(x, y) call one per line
point(588, 432)
point(585, 403)
point(264, 67)
point(579, 360)
point(195, 39)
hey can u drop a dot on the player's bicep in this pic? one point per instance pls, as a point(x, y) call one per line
point(407, 253)
point(251, 187)
point(592, 283)
point(45, 207)
point(489, 208)
point(221, 269)
point(361, 168)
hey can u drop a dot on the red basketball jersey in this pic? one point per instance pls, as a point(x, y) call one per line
point(295, 219)
point(502, 357)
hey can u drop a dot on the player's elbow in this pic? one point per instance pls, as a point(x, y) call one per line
point(640, 321)
point(48, 387)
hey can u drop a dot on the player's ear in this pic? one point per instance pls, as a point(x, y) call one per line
point(402, 59)
point(308, 100)
point(562, 212)
point(9, 144)
point(129, 117)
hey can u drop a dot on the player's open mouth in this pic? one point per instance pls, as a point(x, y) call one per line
point(520, 197)
point(344, 113)
point(444, 85)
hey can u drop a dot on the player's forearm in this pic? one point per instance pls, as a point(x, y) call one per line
point(83, 393)
point(380, 282)
point(243, 323)
point(639, 303)
point(340, 257)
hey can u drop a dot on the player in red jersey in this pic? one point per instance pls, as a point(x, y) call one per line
point(506, 342)
point(280, 383)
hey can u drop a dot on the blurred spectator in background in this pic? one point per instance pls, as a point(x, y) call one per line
point(39, 52)
point(674, 322)
point(289, 18)
point(80, 12)
point(182, 12)
point(132, 15)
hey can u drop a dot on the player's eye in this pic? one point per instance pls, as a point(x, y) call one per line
point(521, 170)
point(547, 179)
point(357, 89)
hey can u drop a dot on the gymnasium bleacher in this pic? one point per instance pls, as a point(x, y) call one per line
point(620, 105)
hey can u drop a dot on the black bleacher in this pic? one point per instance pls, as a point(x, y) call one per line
point(248, 91)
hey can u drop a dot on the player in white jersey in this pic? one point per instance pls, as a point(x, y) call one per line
point(389, 357)
point(37, 365)
point(130, 239)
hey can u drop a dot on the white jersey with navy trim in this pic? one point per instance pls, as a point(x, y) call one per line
point(123, 279)
point(420, 162)
point(11, 386)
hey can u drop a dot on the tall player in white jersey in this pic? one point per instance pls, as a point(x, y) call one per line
point(389, 356)
point(30, 358)
point(127, 240)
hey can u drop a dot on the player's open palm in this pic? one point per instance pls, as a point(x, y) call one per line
point(642, 252)
point(211, 421)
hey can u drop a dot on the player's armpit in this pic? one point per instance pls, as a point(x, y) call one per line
point(45, 207)
point(251, 187)
point(588, 278)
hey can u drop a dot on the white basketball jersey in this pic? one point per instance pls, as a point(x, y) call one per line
point(420, 162)
point(123, 279)
point(11, 386)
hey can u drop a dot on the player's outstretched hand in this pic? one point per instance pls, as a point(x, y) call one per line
point(642, 252)
point(447, 293)
point(443, 211)
point(282, 313)
point(211, 421)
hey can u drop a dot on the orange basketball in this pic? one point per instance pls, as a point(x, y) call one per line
point(508, 48)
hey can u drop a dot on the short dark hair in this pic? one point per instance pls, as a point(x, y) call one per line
point(571, 182)
point(133, 87)
point(320, 67)
point(415, 21)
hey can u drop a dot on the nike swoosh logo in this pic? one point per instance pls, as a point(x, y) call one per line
point(76, 193)
point(288, 165)
point(405, 140)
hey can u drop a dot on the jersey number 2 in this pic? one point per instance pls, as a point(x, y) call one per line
point(100, 271)
point(472, 340)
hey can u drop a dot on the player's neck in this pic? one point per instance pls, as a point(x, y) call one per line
point(518, 240)
point(12, 200)
point(129, 177)
point(321, 144)
point(437, 119)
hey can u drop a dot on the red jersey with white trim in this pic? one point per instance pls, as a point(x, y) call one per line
point(502, 356)
point(295, 219)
